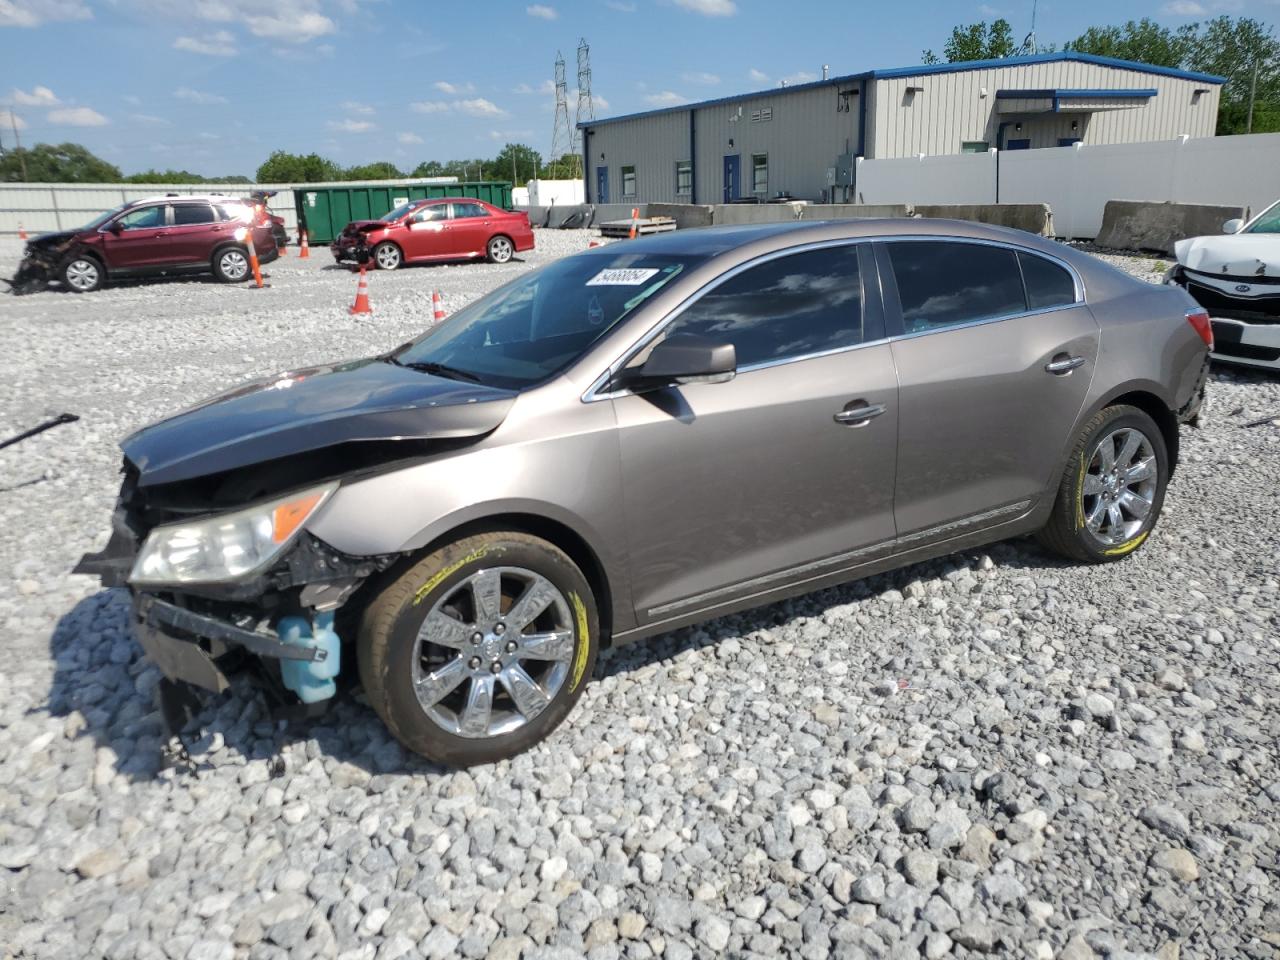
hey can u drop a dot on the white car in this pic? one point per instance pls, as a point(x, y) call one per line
point(1236, 278)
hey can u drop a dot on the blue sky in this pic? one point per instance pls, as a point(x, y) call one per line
point(213, 86)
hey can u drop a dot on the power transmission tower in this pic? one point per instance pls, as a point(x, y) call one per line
point(1029, 45)
point(586, 106)
point(561, 134)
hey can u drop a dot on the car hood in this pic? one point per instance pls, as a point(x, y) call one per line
point(1234, 255)
point(365, 226)
point(311, 409)
point(47, 241)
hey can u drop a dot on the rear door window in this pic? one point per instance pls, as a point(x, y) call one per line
point(1048, 285)
point(944, 283)
point(464, 211)
point(189, 214)
point(144, 218)
point(784, 308)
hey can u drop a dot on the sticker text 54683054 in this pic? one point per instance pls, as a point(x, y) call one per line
point(621, 277)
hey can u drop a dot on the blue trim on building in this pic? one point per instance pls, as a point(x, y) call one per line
point(921, 71)
point(1083, 94)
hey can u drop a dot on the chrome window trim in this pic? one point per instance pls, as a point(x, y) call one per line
point(628, 354)
point(592, 393)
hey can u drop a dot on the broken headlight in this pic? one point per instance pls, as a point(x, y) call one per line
point(227, 546)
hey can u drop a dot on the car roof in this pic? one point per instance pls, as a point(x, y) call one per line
point(197, 197)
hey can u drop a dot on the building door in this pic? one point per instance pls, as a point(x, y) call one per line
point(602, 184)
point(731, 178)
point(1068, 141)
point(1024, 144)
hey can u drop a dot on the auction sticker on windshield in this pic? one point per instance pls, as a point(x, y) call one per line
point(621, 277)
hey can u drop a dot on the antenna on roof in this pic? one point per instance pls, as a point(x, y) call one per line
point(1029, 41)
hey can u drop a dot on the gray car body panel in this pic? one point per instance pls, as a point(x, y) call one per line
point(707, 498)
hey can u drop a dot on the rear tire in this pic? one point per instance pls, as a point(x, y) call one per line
point(1112, 490)
point(387, 256)
point(82, 274)
point(231, 265)
point(500, 249)
point(454, 665)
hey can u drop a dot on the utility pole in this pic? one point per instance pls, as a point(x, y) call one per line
point(22, 161)
point(1253, 93)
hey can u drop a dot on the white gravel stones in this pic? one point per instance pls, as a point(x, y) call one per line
point(993, 752)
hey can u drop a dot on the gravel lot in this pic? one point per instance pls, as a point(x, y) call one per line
point(990, 753)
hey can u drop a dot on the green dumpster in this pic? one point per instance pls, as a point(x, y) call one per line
point(326, 209)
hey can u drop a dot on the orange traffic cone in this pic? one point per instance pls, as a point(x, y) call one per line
point(22, 234)
point(593, 243)
point(253, 259)
point(362, 294)
point(437, 306)
point(635, 216)
point(305, 250)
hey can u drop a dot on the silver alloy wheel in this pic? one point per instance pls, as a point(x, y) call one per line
point(493, 652)
point(388, 256)
point(233, 264)
point(82, 274)
point(1120, 485)
point(500, 249)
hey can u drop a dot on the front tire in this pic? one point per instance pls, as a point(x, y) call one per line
point(1112, 490)
point(481, 649)
point(387, 256)
point(231, 265)
point(82, 274)
point(500, 249)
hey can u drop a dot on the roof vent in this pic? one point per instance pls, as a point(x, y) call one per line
point(826, 71)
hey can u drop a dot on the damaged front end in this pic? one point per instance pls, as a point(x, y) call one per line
point(39, 267)
point(216, 593)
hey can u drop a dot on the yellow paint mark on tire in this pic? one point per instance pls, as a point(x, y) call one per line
point(1129, 547)
point(584, 641)
point(442, 574)
point(1080, 493)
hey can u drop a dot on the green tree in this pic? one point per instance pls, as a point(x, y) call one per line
point(64, 163)
point(429, 168)
point(381, 170)
point(179, 176)
point(517, 162)
point(977, 41)
point(284, 167)
point(1142, 40)
point(1232, 49)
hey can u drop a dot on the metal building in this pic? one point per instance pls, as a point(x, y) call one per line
point(801, 141)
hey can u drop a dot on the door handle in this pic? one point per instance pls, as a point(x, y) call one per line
point(1062, 364)
point(859, 413)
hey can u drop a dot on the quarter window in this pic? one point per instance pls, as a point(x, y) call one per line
point(189, 214)
point(1048, 285)
point(759, 173)
point(941, 284)
point(789, 307)
point(684, 176)
point(628, 181)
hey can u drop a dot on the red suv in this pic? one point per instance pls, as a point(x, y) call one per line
point(452, 228)
point(160, 235)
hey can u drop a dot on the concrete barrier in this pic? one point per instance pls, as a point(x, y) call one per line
point(1139, 225)
point(1034, 218)
point(591, 215)
point(854, 211)
point(686, 215)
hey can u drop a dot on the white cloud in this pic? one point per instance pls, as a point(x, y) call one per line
point(542, 12)
point(294, 21)
point(800, 76)
point(757, 76)
point(666, 98)
point(620, 5)
point(546, 87)
point(131, 99)
point(710, 8)
point(454, 89)
point(429, 106)
point(1184, 8)
point(9, 120)
point(707, 79)
point(38, 97)
point(409, 138)
point(148, 119)
point(348, 125)
point(989, 11)
point(510, 136)
point(32, 13)
point(220, 43)
point(351, 106)
point(479, 107)
point(206, 135)
point(77, 117)
point(600, 102)
point(197, 96)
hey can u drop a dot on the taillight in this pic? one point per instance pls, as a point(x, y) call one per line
point(1199, 319)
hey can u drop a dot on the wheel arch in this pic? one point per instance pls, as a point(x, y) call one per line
point(1147, 397)
point(373, 251)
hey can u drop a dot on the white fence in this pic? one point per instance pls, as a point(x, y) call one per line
point(1078, 181)
point(43, 207)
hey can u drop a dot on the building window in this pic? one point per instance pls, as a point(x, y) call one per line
point(759, 173)
point(763, 115)
point(975, 146)
point(684, 176)
point(628, 181)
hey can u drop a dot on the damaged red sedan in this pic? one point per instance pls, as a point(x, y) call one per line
point(421, 231)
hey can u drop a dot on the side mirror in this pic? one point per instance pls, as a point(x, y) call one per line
point(685, 358)
point(1232, 226)
point(117, 228)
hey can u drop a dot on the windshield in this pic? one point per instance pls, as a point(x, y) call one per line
point(1268, 221)
point(95, 224)
point(398, 212)
point(536, 325)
